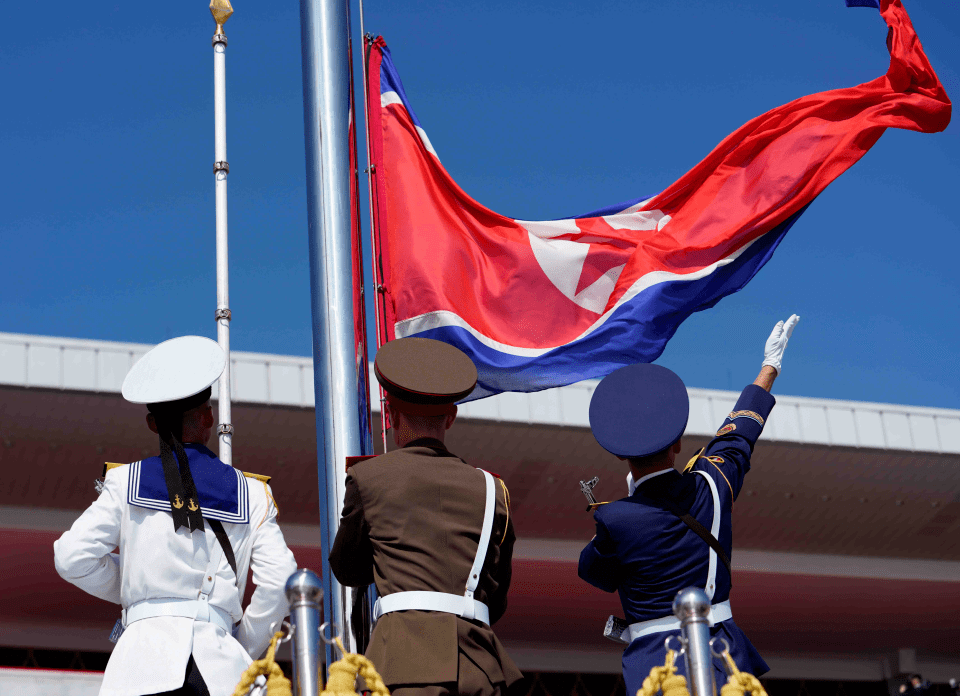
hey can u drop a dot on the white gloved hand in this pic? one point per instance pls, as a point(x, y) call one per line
point(777, 343)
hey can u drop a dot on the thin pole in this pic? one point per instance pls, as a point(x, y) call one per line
point(374, 248)
point(221, 11)
point(326, 103)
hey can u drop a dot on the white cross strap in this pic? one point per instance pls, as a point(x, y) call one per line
point(488, 514)
point(464, 606)
point(711, 587)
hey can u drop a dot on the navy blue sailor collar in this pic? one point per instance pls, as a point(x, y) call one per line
point(221, 488)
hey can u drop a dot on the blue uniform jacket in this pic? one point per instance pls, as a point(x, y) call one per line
point(643, 551)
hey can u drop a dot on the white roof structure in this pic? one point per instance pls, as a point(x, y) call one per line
point(260, 378)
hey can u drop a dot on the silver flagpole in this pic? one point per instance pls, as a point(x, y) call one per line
point(221, 11)
point(326, 102)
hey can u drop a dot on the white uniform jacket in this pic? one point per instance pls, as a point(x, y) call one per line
point(154, 562)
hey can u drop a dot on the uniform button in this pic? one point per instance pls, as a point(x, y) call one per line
point(209, 577)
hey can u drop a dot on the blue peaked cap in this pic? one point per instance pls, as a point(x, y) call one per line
point(639, 410)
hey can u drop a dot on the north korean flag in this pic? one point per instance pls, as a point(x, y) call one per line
point(539, 304)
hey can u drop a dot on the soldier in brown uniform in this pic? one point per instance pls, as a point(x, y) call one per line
point(432, 532)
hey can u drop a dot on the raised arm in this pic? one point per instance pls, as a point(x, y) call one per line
point(773, 352)
point(727, 457)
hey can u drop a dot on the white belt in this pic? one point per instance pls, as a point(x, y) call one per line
point(464, 605)
point(718, 612)
point(197, 609)
point(186, 608)
point(432, 601)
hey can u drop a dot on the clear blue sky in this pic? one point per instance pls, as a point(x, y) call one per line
point(538, 109)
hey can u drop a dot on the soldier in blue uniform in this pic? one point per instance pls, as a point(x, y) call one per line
point(673, 531)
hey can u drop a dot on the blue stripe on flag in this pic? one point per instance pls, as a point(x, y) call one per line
point(610, 209)
point(390, 82)
point(646, 322)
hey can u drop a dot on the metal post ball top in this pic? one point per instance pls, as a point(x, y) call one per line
point(304, 587)
point(691, 605)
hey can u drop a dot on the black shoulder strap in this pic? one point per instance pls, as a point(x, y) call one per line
point(700, 531)
point(224, 540)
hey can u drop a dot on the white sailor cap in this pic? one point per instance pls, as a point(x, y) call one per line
point(174, 370)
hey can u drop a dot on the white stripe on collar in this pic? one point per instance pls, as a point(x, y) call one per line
point(632, 485)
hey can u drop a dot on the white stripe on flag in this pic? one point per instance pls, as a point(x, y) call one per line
point(388, 98)
point(441, 318)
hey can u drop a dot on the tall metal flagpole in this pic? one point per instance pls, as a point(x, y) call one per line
point(324, 29)
point(221, 11)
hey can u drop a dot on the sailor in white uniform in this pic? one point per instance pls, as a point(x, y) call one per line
point(188, 527)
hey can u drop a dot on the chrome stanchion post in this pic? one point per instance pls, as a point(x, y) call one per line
point(305, 593)
point(692, 607)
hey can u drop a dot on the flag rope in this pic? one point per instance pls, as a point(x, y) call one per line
point(373, 199)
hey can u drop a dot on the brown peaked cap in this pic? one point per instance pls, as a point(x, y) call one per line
point(424, 371)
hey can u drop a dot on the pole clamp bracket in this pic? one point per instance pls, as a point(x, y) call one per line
point(222, 314)
point(225, 429)
point(221, 166)
point(219, 38)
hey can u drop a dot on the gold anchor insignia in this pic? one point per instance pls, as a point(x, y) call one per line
point(177, 503)
point(192, 506)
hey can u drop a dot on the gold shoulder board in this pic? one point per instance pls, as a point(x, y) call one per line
point(111, 465)
point(259, 477)
point(693, 460)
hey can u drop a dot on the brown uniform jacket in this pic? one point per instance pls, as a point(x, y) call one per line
point(411, 521)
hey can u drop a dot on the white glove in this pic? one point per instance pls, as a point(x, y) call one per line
point(777, 343)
